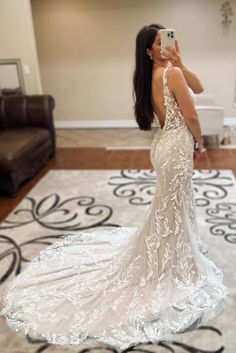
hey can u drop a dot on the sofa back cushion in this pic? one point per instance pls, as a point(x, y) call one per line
point(23, 110)
point(13, 111)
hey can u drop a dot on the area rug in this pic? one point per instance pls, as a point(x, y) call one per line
point(66, 201)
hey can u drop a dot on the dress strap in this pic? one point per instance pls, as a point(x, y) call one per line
point(164, 76)
point(165, 87)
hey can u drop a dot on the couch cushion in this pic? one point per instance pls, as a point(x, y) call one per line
point(15, 143)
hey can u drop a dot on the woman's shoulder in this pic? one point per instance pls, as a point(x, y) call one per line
point(174, 72)
point(175, 76)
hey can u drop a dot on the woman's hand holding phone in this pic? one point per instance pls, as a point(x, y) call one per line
point(173, 55)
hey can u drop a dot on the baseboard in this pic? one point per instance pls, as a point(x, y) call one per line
point(112, 124)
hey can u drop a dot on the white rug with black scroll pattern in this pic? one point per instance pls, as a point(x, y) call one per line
point(71, 200)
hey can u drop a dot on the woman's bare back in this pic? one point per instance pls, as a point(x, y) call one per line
point(158, 95)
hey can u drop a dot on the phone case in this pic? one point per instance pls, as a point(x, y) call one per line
point(167, 39)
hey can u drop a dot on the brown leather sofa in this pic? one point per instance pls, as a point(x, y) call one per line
point(27, 138)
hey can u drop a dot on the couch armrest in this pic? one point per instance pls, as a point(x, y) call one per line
point(40, 113)
point(39, 110)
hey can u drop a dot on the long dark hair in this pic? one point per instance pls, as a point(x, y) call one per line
point(142, 78)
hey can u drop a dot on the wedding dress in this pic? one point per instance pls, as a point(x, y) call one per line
point(126, 285)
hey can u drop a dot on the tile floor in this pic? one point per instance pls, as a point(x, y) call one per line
point(130, 138)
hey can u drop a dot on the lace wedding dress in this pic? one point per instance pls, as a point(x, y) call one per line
point(126, 285)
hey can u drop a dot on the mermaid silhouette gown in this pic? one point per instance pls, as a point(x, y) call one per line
point(126, 285)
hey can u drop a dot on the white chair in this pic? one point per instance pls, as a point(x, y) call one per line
point(210, 115)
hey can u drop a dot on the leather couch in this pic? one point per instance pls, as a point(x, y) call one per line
point(27, 138)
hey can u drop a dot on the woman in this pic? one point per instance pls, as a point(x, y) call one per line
point(125, 285)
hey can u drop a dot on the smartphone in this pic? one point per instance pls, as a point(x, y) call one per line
point(167, 39)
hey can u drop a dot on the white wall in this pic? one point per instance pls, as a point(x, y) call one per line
point(17, 40)
point(86, 50)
